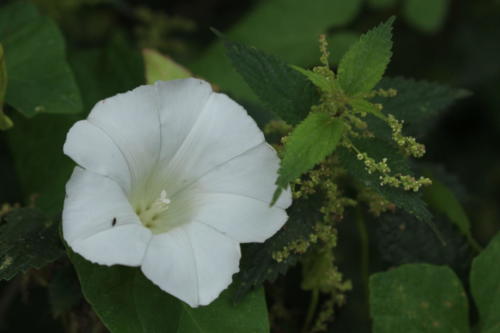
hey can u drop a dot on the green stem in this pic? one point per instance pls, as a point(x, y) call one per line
point(474, 244)
point(313, 304)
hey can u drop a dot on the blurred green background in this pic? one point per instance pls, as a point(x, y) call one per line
point(451, 42)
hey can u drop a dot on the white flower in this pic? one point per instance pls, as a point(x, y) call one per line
point(172, 177)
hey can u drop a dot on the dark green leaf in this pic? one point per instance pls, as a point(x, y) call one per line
point(418, 298)
point(64, 290)
point(364, 64)
point(310, 142)
point(28, 239)
point(485, 286)
point(382, 4)
point(128, 302)
point(283, 90)
point(40, 79)
point(426, 15)
point(418, 103)
point(5, 122)
point(409, 201)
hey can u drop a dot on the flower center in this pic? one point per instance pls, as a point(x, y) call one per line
point(149, 216)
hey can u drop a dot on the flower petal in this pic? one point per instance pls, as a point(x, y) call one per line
point(94, 150)
point(99, 223)
point(132, 121)
point(252, 174)
point(195, 263)
point(223, 131)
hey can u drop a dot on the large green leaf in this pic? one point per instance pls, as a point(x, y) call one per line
point(426, 15)
point(418, 103)
point(378, 149)
point(5, 122)
point(287, 28)
point(40, 79)
point(283, 90)
point(310, 142)
point(418, 298)
point(127, 302)
point(485, 286)
point(364, 64)
point(28, 239)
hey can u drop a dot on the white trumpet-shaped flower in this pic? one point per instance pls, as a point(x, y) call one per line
point(172, 177)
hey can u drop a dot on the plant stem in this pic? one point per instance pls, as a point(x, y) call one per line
point(365, 250)
point(313, 304)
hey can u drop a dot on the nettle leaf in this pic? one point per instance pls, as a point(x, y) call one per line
point(283, 90)
point(339, 43)
point(258, 265)
point(418, 298)
point(409, 201)
point(318, 80)
point(485, 286)
point(310, 142)
point(28, 239)
point(40, 79)
point(426, 15)
point(127, 302)
point(418, 103)
point(161, 67)
point(364, 64)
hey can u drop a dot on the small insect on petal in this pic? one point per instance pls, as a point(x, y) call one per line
point(114, 222)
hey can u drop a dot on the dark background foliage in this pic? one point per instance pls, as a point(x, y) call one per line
point(463, 52)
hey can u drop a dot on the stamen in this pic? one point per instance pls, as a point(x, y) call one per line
point(150, 213)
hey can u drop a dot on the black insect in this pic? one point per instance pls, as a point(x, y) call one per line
point(114, 222)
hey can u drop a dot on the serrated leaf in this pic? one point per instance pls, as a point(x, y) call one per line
point(426, 15)
point(339, 43)
point(409, 201)
point(283, 90)
point(364, 64)
point(40, 79)
point(418, 298)
point(28, 239)
point(160, 67)
point(310, 142)
point(318, 80)
point(418, 103)
point(127, 302)
point(485, 286)
point(258, 265)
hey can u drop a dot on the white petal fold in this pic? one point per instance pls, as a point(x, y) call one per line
point(195, 263)
point(100, 224)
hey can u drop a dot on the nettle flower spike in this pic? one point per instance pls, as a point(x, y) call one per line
point(172, 177)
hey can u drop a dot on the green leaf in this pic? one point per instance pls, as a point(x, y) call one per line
point(444, 201)
point(40, 79)
point(127, 302)
point(418, 298)
point(284, 28)
point(257, 263)
point(310, 142)
point(5, 122)
point(485, 286)
point(318, 80)
point(339, 43)
point(426, 15)
point(283, 90)
point(64, 290)
point(409, 201)
point(418, 103)
point(362, 67)
point(28, 239)
point(160, 67)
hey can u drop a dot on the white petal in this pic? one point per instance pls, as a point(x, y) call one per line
point(93, 149)
point(195, 263)
point(181, 103)
point(132, 121)
point(223, 131)
point(252, 174)
point(242, 218)
point(99, 223)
